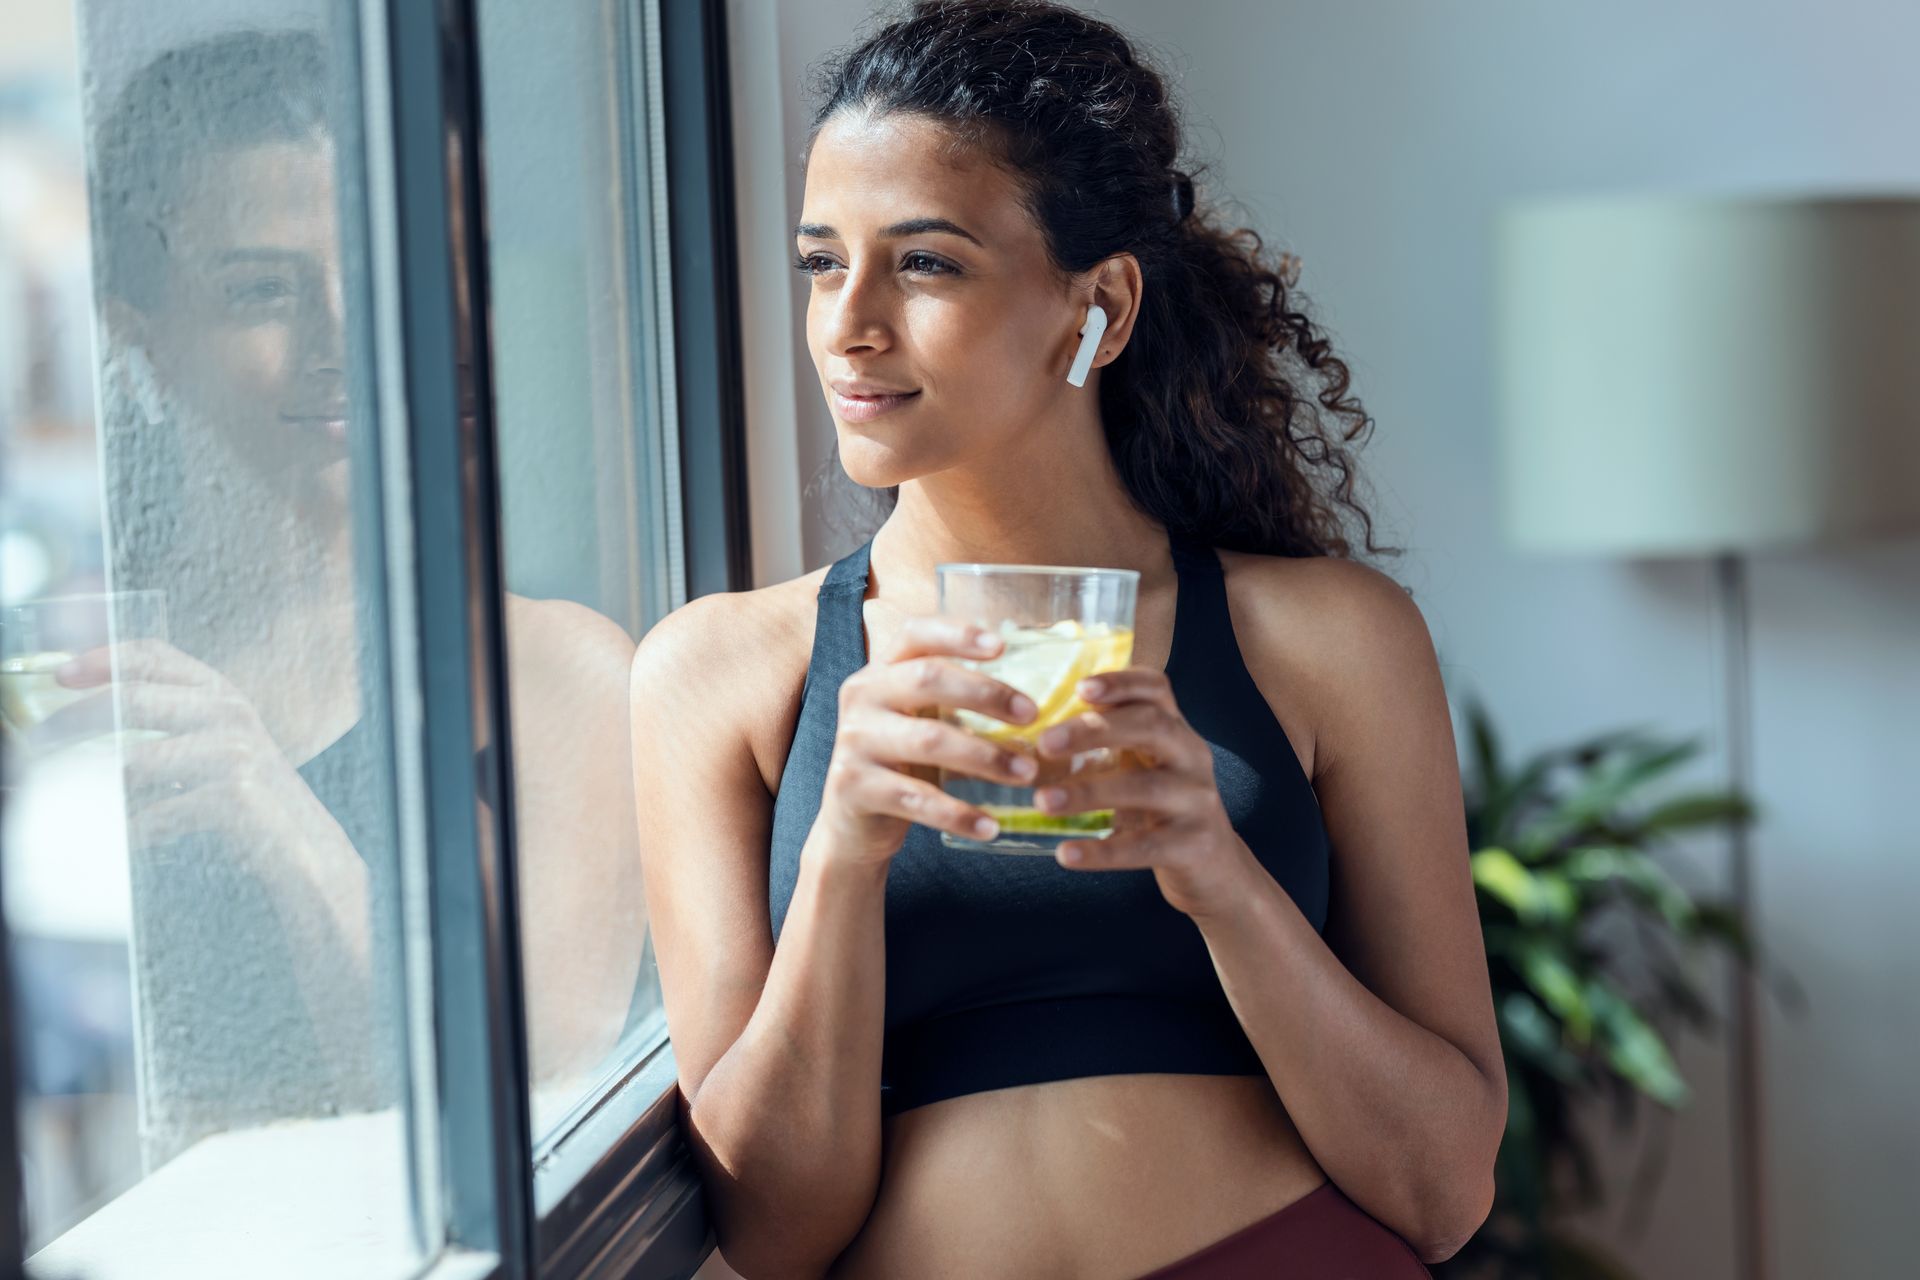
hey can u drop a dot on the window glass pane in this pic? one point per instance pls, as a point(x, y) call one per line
point(200, 841)
point(589, 532)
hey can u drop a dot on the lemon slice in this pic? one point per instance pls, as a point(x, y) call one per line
point(1046, 663)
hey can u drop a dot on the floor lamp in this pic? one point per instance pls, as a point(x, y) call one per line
point(1711, 378)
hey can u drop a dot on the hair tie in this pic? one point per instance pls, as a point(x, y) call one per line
point(1182, 196)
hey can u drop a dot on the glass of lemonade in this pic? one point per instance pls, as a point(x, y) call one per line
point(1060, 626)
point(39, 637)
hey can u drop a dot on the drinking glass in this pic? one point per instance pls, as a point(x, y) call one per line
point(38, 637)
point(1060, 625)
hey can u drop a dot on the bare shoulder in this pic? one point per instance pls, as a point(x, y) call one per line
point(733, 660)
point(566, 639)
point(1318, 632)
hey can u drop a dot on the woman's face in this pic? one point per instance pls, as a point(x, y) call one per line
point(971, 318)
point(247, 333)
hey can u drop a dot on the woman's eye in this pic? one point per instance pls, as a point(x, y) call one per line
point(814, 264)
point(934, 268)
point(263, 291)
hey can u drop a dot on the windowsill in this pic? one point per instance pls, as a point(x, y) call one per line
point(308, 1198)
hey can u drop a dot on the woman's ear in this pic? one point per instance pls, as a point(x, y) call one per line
point(1115, 286)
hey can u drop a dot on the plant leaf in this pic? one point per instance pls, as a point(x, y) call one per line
point(1635, 1049)
point(1607, 784)
point(1535, 1038)
point(1558, 987)
point(1533, 896)
point(1698, 809)
point(1644, 877)
point(1488, 773)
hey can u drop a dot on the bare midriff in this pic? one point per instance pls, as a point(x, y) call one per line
point(1097, 1178)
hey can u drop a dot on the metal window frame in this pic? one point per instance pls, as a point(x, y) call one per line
point(616, 1194)
point(705, 329)
point(445, 498)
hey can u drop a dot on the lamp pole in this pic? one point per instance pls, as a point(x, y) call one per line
point(1748, 1136)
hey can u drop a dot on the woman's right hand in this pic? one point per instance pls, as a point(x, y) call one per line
point(887, 748)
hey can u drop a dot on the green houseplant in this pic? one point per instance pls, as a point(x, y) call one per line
point(1565, 846)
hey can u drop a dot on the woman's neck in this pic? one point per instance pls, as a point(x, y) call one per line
point(1060, 502)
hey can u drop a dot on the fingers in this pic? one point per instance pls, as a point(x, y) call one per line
point(918, 683)
point(1143, 726)
point(1129, 684)
point(166, 707)
point(1125, 850)
point(923, 636)
point(892, 739)
point(877, 790)
point(144, 659)
point(1158, 791)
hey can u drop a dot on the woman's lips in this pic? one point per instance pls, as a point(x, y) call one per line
point(866, 408)
point(333, 428)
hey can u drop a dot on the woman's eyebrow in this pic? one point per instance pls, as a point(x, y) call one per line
point(911, 227)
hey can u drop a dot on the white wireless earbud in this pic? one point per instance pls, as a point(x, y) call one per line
point(1089, 343)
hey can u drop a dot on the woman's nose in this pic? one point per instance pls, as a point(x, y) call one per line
point(323, 331)
point(860, 315)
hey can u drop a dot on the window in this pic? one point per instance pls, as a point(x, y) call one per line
point(328, 526)
point(589, 514)
point(202, 831)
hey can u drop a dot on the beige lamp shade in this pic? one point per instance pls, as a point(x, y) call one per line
point(1679, 376)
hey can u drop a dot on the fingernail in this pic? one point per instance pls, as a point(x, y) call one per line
point(1049, 797)
point(1092, 687)
point(1069, 854)
point(985, 828)
point(1022, 707)
point(1024, 767)
point(1053, 739)
point(73, 672)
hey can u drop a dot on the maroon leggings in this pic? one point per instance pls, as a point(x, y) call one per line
point(1321, 1236)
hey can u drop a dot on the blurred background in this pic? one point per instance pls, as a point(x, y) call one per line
point(1397, 148)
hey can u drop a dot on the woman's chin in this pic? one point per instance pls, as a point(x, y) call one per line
point(333, 485)
point(876, 466)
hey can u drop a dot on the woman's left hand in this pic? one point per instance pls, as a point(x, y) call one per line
point(208, 766)
point(1168, 815)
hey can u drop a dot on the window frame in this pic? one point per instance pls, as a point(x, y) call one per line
point(615, 1192)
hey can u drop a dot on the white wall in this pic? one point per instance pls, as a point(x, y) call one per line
point(1377, 140)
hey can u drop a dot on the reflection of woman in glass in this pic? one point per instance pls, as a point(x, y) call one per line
point(1251, 1032)
point(263, 824)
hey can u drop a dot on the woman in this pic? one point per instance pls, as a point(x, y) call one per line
point(1276, 1054)
point(265, 867)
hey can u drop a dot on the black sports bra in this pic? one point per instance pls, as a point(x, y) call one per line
point(1006, 970)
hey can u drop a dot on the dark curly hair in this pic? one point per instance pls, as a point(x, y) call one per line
point(1227, 413)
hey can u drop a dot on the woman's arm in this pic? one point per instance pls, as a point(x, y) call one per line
point(583, 912)
point(778, 1048)
point(1380, 1037)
